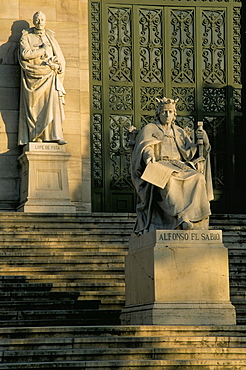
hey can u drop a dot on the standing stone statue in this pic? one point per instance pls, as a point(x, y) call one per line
point(171, 174)
point(42, 93)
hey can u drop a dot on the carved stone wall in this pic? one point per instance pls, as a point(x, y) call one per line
point(69, 21)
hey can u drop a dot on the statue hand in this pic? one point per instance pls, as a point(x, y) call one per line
point(202, 135)
point(150, 160)
point(45, 45)
point(148, 155)
point(54, 64)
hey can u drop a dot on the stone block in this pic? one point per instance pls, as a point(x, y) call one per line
point(10, 9)
point(86, 194)
point(76, 189)
point(9, 98)
point(8, 144)
point(9, 121)
point(84, 13)
point(72, 61)
point(9, 76)
point(44, 184)
point(72, 123)
point(10, 33)
point(180, 313)
point(72, 78)
point(48, 7)
point(67, 34)
point(9, 190)
point(85, 129)
point(84, 76)
point(178, 277)
point(8, 167)
point(67, 10)
point(72, 100)
point(74, 144)
point(75, 168)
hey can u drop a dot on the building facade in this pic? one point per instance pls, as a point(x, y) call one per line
point(121, 56)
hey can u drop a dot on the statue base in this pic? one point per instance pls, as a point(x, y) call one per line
point(176, 277)
point(44, 182)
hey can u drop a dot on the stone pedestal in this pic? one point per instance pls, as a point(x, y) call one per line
point(44, 182)
point(177, 277)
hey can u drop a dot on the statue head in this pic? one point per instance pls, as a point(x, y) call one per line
point(166, 104)
point(39, 20)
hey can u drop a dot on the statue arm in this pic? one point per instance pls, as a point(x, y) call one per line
point(28, 51)
point(149, 155)
point(202, 141)
point(192, 149)
point(59, 58)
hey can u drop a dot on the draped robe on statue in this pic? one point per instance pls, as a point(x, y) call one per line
point(42, 92)
point(187, 192)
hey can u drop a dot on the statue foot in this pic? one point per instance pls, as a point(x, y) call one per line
point(38, 140)
point(187, 225)
point(61, 142)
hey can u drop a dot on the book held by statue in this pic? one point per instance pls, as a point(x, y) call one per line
point(158, 173)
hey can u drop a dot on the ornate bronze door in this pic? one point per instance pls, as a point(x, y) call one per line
point(181, 49)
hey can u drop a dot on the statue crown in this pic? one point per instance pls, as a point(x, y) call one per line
point(167, 103)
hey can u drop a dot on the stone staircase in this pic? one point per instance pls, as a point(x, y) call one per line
point(234, 238)
point(78, 260)
point(34, 304)
point(62, 290)
point(124, 347)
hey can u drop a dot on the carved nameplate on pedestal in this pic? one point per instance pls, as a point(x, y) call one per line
point(44, 147)
point(160, 237)
point(190, 236)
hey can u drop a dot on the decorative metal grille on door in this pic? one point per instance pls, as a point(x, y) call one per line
point(139, 53)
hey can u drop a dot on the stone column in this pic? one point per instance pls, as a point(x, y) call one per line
point(44, 180)
point(177, 278)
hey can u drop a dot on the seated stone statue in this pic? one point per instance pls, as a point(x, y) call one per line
point(171, 174)
point(42, 93)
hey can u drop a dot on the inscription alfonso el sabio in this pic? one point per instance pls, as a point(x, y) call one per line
point(190, 236)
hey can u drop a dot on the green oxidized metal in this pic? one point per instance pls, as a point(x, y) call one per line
point(188, 50)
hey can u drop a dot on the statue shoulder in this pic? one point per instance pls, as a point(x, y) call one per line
point(27, 31)
point(149, 128)
point(150, 132)
point(50, 33)
point(24, 32)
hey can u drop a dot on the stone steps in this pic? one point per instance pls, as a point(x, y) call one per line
point(70, 317)
point(74, 264)
point(62, 291)
point(70, 281)
point(123, 347)
point(123, 343)
point(24, 298)
point(85, 253)
point(122, 354)
point(131, 365)
point(81, 253)
point(47, 254)
point(57, 287)
point(64, 270)
point(219, 336)
point(26, 304)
